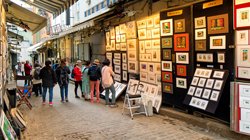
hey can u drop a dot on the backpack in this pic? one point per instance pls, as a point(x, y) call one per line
point(36, 73)
point(93, 74)
point(72, 74)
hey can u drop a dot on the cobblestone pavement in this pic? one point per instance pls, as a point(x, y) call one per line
point(81, 120)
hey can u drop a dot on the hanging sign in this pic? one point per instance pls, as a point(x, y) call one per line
point(212, 4)
point(175, 13)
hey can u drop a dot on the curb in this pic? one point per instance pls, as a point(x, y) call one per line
point(205, 123)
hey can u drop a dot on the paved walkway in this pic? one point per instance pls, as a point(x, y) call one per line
point(81, 120)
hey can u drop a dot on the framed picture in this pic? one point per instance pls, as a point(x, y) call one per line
point(117, 47)
point(123, 38)
point(124, 58)
point(195, 81)
point(151, 78)
point(117, 77)
point(179, 26)
point(218, 42)
point(112, 33)
point(200, 34)
point(156, 21)
point(132, 86)
point(166, 65)
point(109, 55)
point(141, 24)
point(181, 42)
point(210, 83)
point(167, 88)
point(143, 66)
point(148, 57)
point(123, 46)
point(132, 55)
point(142, 46)
point(117, 30)
point(181, 83)
point(144, 76)
point(200, 22)
point(142, 34)
point(158, 79)
point(112, 45)
point(157, 68)
point(205, 73)
point(156, 55)
point(117, 61)
point(148, 44)
point(215, 96)
point(243, 56)
point(133, 67)
point(166, 27)
point(117, 69)
point(243, 72)
point(206, 93)
point(166, 54)
point(242, 17)
point(221, 57)
point(218, 74)
point(124, 75)
point(242, 37)
point(124, 66)
point(202, 82)
point(156, 44)
point(167, 77)
point(204, 57)
point(218, 84)
point(132, 44)
point(166, 42)
point(7, 130)
point(198, 92)
point(200, 45)
point(117, 55)
point(108, 47)
point(155, 33)
point(218, 24)
point(131, 29)
point(150, 23)
point(182, 58)
point(122, 28)
point(181, 70)
point(149, 34)
point(118, 39)
point(151, 68)
point(107, 38)
point(191, 90)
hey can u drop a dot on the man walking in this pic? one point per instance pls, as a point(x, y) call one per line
point(27, 69)
point(94, 77)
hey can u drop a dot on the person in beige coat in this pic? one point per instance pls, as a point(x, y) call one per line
point(37, 81)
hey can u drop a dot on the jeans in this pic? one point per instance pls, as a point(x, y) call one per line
point(50, 93)
point(38, 88)
point(112, 89)
point(76, 86)
point(94, 85)
point(64, 90)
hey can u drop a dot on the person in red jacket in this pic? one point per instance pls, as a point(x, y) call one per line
point(27, 70)
point(78, 77)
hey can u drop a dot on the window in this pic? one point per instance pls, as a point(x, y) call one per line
point(78, 15)
point(88, 12)
point(102, 5)
point(93, 10)
point(97, 7)
point(108, 2)
point(85, 14)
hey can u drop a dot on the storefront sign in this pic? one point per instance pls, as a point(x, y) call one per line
point(212, 4)
point(175, 13)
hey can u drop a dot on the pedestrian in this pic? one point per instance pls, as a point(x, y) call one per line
point(55, 65)
point(48, 81)
point(37, 81)
point(77, 72)
point(85, 81)
point(62, 74)
point(22, 68)
point(27, 69)
point(108, 82)
point(94, 73)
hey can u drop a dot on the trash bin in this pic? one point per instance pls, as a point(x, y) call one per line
point(12, 97)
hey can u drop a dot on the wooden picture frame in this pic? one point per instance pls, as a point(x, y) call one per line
point(218, 42)
point(181, 70)
point(131, 30)
point(142, 34)
point(167, 88)
point(167, 77)
point(179, 26)
point(182, 58)
point(143, 66)
point(200, 22)
point(200, 45)
point(218, 24)
point(132, 56)
point(132, 44)
point(181, 42)
point(166, 65)
point(123, 46)
point(166, 54)
point(155, 33)
point(242, 17)
point(166, 27)
point(141, 24)
point(123, 38)
point(167, 42)
point(133, 67)
point(144, 76)
point(200, 34)
point(124, 58)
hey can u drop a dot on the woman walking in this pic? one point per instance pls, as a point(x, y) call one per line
point(94, 77)
point(37, 81)
point(85, 81)
point(78, 77)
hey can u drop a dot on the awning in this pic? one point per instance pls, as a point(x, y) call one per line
point(36, 46)
point(25, 18)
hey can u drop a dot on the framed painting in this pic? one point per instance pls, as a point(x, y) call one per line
point(200, 22)
point(109, 55)
point(117, 61)
point(123, 38)
point(117, 69)
point(132, 86)
point(166, 54)
point(117, 56)
point(242, 17)
point(108, 47)
point(141, 24)
point(144, 76)
point(210, 83)
point(124, 66)
point(122, 28)
point(112, 33)
point(132, 56)
point(155, 55)
point(132, 44)
point(107, 38)
point(218, 24)
point(112, 42)
point(166, 65)
point(156, 44)
point(123, 46)
point(117, 77)
point(117, 30)
point(142, 46)
point(200, 34)
point(151, 78)
point(117, 47)
point(143, 66)
point(218, 84)
point(142, 34)
point(238, 2)
point(131, 29)
point(156, 33)
point(191, 90)
point(124, 75)
point(218, 42)
point(167, 88)
point(214, 95)
point(156, 21)
point(133, 67)
point(167, 77)
point(148, 57)
point(243, 56)
point(221, 57)
point(198, 92)
point(158, 79)
point(166, 27)
point(182, 58)
point(157, 68)
point(124, 58)
point(148, 44)
point(202, 82)
point(181, 83)
point(195, 81)
point(218, 74)
point(149, 34)
point(118, 38)
point(181, 70)
point(166, 42)
point(179, 26)
point(150, 23)
point(200, 45)
point(181, 42)
point(242, 37)
point(243, 72)
point(151, 68)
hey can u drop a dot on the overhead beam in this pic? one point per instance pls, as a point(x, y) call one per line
point(51, 3)
point(45, 5)
point(38, 6)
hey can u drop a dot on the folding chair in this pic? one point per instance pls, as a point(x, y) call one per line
point(134, 101)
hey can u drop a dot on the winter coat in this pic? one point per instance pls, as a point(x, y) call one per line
point(78, 73)
point(27, 69)
point(34, 81)
point(48, 77)
point(62, 75)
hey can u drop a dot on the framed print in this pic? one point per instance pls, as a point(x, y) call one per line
point(142, 46)
point(195, 81)
point(202, 82)
point(205, 57)
point(143, 66)
point(179, 26)
point(181, 83)
point(200, 22)
point(167, 88)
point(198, 103)
point(166, 27)
point(166, 42)
point(148, 44)
point(156, 33)
point(112, 45)
point(141, 57)
point(198, 72)
point(107, 38)
point(144, 76)
point(123, 46)
point(122, 28)
point(243, 72)
point(218, 42)
point(150, 23)
point(242, 37)
point(117, 77)
point(214, 95)
point(123, 38)
point(182, 58)
point(118, 38)
point(133, 66)
point(132, 55)
point(218, 24)
point(151, 68)
point(142, 34)
point(151, 78)
point(109, 55)
point(117, 61)
point(218, 84)
point(166, 54)
point(8, 132)
point(156, 55)
point(243, 56)
point(148, 57)
point(156, 21)
point(167, 77)
point(108, 47)
point(124, 75)
point(141, 24)
point(221, 57)
point(149, 34)
point(210, 83)
point(200, 45)
point(117, 30)
point(157, 68)
point(112, 33)
point(156, 44)
point(158, 79)
point(191, 90)
point(198, 92)
point(117, 69)
point(132, 86)
point(166, 65)
point(131, 29)
point(124, 66)
point(132, 44)
point(117, 55)
point(237, 2)
point(242, 17)
point(218, 74)
point(117, 47)
point(181, 42)
point(206, 93)
point(181, 70)
point(124, 58)
point(200, 34)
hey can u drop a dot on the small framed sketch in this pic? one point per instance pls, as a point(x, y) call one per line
point(200, 34)
point(218, 24)
point(117, 55)
point(156, 33)
point(156, 55)
point(218, 74)
point(150, 23)
point(167, 77)
point(108, 47)
point(237, 2)
point(218, 84)
point(117, 30)
point(242, 17)
point(112, 42)
point(143, 66)
point(181, 42)
point(144, 76)
point(133, 67)
point(202, 82)
point(123, 46)
point(131, 29)
point(166, 42)
point(210, 83)
point(132, 55)
point(124, 75)
point(204, 57)
point(206, 93)
point(124, 58)
point(191, 90)
point(141, 24)
point(198, 92)
point(151, 78)
point(109, 55)
point(166, 65)
point(132, 44)
point(158, 79)
point(157, 21)
point(107, 38)
point(117, 69)
point(157, 68)
point(141, 46)
point(156, 44)
point(195, 81)
point(122, 28)
point(218, 42)
point(124, 66)
point(118, 38)
point(167, 88)
point(215, 96)
point(112, 33)
point(200, 22)
point(242, 37)
point(123, 38)
point(181, 70)
point(182, 58)
point(142, 34)
point(166, 27)
point(166, 54)
point(117, 61)
point(200, 45)
point(221, 57)
point(148, 44)
point(243, 72)
point(181, 83)
point(117, 77)
point(149, 34)
point(243, 56)
point(179, 26)
point(151, 68)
